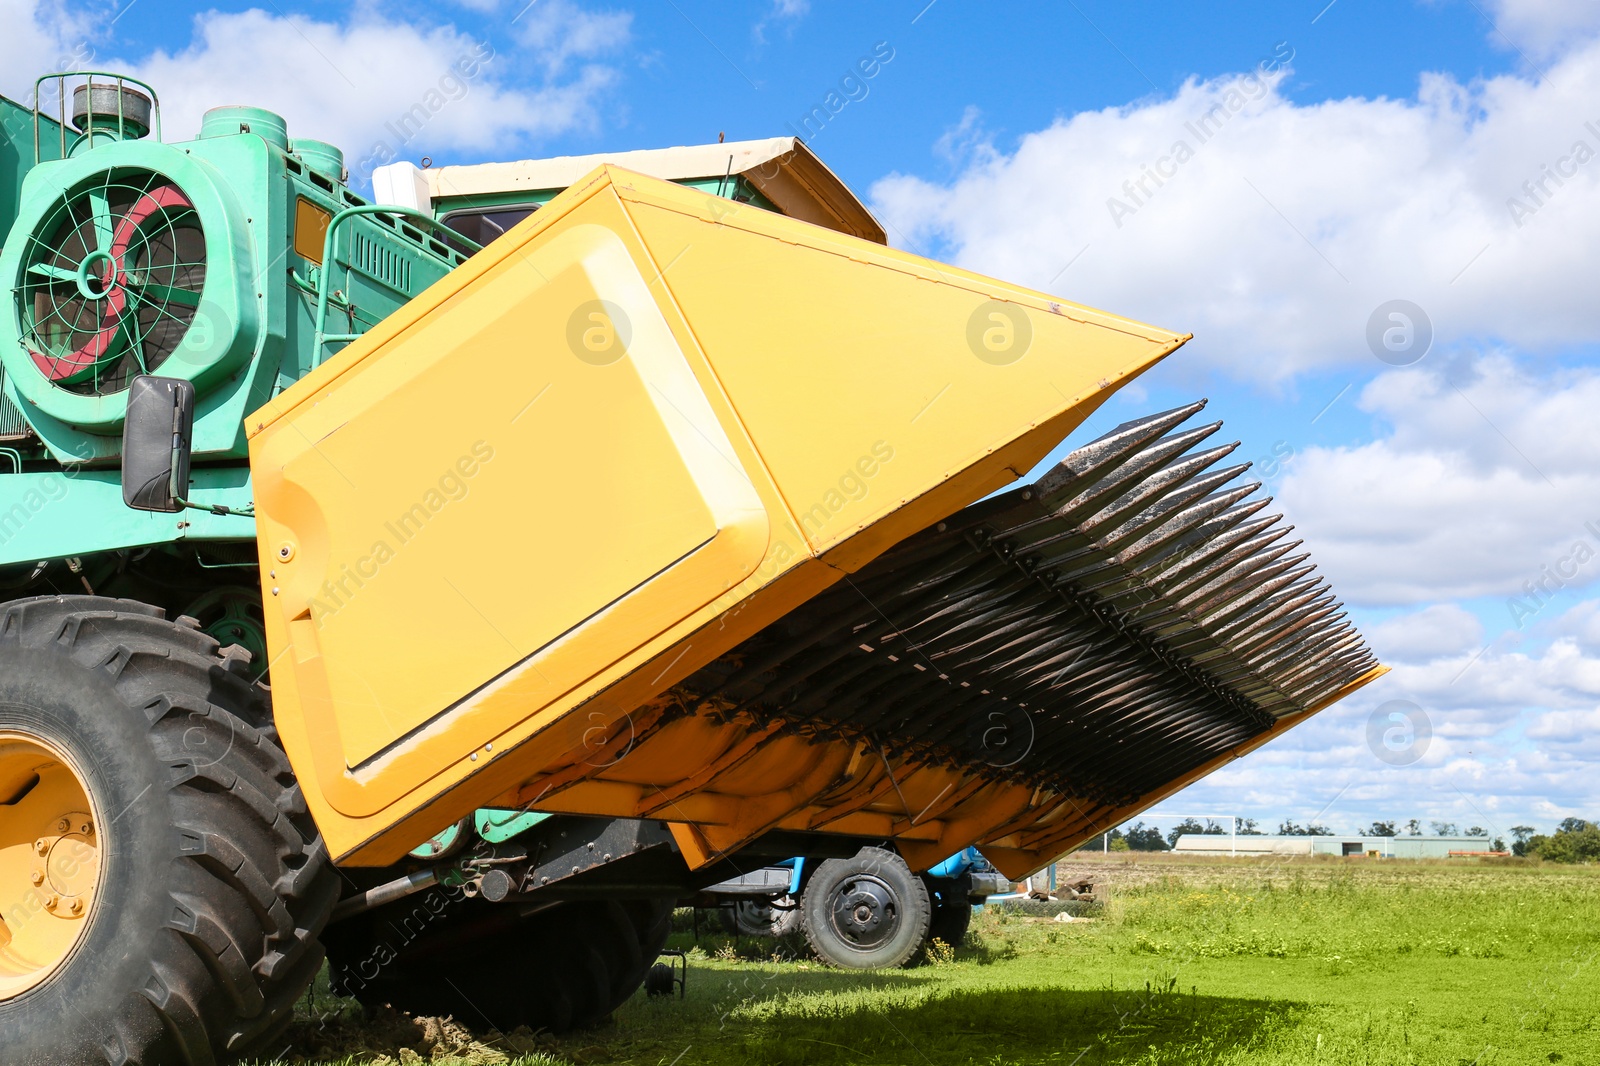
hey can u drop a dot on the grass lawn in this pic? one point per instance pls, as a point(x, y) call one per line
point(1250, 961)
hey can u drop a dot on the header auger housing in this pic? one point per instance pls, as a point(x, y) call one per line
point(726, 565)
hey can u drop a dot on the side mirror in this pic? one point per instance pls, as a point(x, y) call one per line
point(155, 443)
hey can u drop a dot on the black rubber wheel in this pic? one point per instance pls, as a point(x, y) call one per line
point(660, 980)
point(565, 965)
point(952, 911)
point(214, 883)
point(866, 913)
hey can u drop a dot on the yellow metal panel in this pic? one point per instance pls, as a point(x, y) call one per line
point(581, 465)
point(878, 375)
point(310, 227)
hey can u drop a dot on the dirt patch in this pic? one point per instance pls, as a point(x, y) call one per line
point(393, 1039)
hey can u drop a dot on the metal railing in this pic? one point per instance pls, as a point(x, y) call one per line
point(63, 119)
point(325, 272)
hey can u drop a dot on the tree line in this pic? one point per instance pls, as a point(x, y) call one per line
point(1575, 839)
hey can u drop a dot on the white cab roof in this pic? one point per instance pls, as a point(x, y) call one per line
point(783, 169)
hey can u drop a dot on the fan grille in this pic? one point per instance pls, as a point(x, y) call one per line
point(111, 281)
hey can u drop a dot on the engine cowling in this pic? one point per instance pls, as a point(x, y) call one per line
point(131, 258)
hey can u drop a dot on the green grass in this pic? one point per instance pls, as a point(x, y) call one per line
point(1237, 962)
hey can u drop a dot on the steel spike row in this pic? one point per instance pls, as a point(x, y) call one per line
point(1127, 618)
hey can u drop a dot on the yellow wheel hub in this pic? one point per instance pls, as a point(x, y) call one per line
point(50, 860)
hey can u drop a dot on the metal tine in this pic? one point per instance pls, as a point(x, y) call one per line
point(1168, 731)
point(1223, 618)
point(1142, 596)
point(1334, 685)
point(1288, 664)
point(996, 628)
point(1035, 636)
point(1144, 725)
point(1179, 600)
point(1001, 664)
point(1168, 512)
point(1030, 623)
point(903, 696)
point(783, 651)
point(1068, 685)
point(1320, 676)
point(1306, 593)
point(1140, 505)
point(1337, 662)
point(1282, 621)
point(1158, 487)
point(1269, 661)
point(1147, 552)
point(1204, 560)
point(1323, 613)
point(1105, 453)
point(1174, 570)
point(1073, 510)
point(1216, 654)
point(1234, 577)
point(1107, 577)
point(1200, 580)
point(1263, 566)
point(1200, 501)
point(1302, 665)
point(1315, 655)
point(1219, 528)
point(1287, 587)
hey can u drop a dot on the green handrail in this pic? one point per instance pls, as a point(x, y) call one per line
point(60, 78)
point(325, 272)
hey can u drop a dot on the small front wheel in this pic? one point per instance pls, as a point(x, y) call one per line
point(869, 912)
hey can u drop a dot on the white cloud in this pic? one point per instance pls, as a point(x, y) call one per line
point(1284, 226)
point(1483, 487)
point(559, 31)
point(1515, 737)
point(40, 38)
point(1438, 630)
point(355, 83)
point(1543, 27)
point(788, 11)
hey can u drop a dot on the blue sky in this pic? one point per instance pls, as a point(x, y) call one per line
point(1382, 151)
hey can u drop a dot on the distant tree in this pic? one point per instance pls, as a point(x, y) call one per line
point(1577, 842)
point(1443, 829)
point(1413, 827)
point(1214, 828)
point(1247, 828)
point(1188, 825)
point(1290, 828)
point(1141, 837)
point(1099, 843)
point(1519, 838)
point(1120, 843)
point(1379, 829)
point(1498, 845)
point(1477, 831)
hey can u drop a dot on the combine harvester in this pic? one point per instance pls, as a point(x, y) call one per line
point(651, 543)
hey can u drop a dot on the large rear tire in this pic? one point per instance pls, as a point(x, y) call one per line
point(869, 912)
point(564, 966)
point(199, 923)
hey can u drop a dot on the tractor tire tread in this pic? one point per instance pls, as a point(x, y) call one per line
point(250, 884)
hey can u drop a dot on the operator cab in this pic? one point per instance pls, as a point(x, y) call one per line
point(482, 201)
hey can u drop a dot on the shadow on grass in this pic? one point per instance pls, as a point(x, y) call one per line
point(826, 1017)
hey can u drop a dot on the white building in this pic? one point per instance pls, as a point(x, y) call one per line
point(1401, 847)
